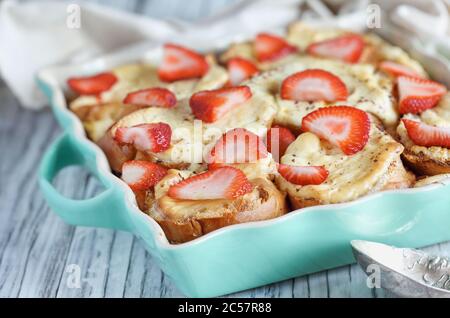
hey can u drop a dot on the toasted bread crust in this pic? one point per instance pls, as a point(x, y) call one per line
point(117, 155)
point(273, 204)
point(398, 178)
point(422, 164)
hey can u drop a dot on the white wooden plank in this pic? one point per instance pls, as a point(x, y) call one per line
point(145, 279)
point(300, 288)
point(136, 271)
point(89, 258)
point(358, 283)
point(339, 282)
point(119, 263)
point(21, 222)
point(318, 285)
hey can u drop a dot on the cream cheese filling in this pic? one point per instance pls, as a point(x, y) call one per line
point(350, 177)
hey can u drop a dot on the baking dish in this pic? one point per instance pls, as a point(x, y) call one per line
point(242, 256)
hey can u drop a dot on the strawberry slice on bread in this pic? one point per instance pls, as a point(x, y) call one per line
point(278, 140)
point(219, 183)
point(347, 48)
point(209, 106)
point(159, 97)
point(303, 175)
point(240, 69)
point(314, 85)
point(180, 63)
point(269, 47)
point(142, 175)
point(427, 135)
point(417, 95)
point(396, 69)
point(343, 126)
point(192, 206)
point(153, 137)
point(92, 85)
point(237, 146)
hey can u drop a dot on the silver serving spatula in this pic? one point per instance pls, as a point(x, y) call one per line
point(403, 271)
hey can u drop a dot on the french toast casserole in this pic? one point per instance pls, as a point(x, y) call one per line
point(268, 126)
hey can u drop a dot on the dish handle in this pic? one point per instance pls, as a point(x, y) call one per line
point(107, 210)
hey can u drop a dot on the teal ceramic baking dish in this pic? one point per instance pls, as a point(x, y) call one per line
point(243, 256)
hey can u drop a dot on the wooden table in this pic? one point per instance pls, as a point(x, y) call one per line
point(39, 254)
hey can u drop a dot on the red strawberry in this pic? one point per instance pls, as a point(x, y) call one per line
point(146, 137)
point(303, 175)
point(417, 95)
point(343, 126)
point(159, 97)
point(426, 135)
point(209, 106)
point(397, 70)
point(240, 69)
point(92, 85)
point(221, 183)
point(313, 85)
point(237, 146)
point(142, 175)
point(269, 47)
point(347, 48)
point(180, 63)
point(278, 140)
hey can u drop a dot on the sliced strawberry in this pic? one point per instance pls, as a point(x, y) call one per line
point(417, 95)
point(146, 137)
point(209, 106)
point(314, 85)
point(159, 97)
point(278, 140)
point(180, 63)
point(92, 85)
point(396, 69)
point(426, 135)
point(347, 48)
point(221, 183)
point(269, 47)
point(142, 175)
point(240, 69)
point(238, 146)
point(343, 126)
point(303, 175)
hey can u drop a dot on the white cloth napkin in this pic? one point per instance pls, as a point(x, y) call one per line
point(35, 34)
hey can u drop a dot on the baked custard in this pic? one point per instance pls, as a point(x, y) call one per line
point(319, 116)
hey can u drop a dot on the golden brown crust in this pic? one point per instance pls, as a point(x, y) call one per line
point(425, 165)
point(145, 199)
point(117, 155)
point(398, 178)
point(271, 204)
point(97, 119)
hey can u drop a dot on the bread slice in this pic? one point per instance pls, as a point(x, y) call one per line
point(427, 160)
point(192, 139)
point(185, 220)
point(116, 154)
point(375, 168)
point(422, 182)
point(368, 90)
point(97, 119)
point(375, 50)
point(133, 77)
